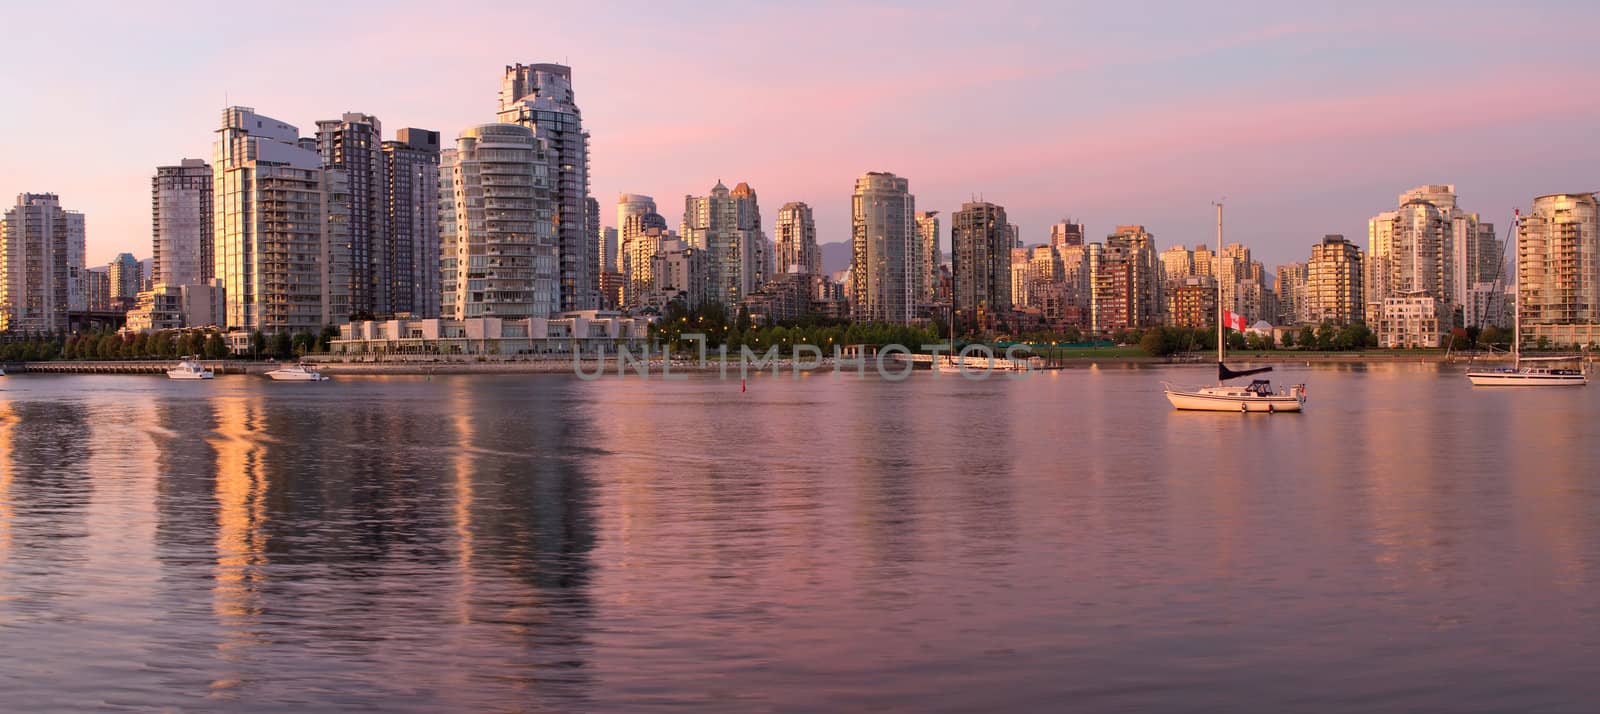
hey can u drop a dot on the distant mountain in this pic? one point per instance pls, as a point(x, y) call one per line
point(835, 256)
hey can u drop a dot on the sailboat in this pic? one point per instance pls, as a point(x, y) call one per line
point(1535, 374)
point(1258, 396)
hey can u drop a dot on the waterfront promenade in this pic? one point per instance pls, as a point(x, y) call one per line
point(375, 364)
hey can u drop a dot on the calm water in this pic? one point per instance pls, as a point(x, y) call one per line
point(1064, 542)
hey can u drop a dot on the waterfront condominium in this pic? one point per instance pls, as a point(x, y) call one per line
point(42, 275)
point(1334, 282)
point(883, 249)
point(1126, 281)
point(981, 260)
point(499, 256)
point(281, 223)
point(928, 256)
point(1558, 261)
point(181, 224)
point(795, 238)
point(127, 278)
point(1410, 250)
point(540, 97)
point(353, 144)
point(410, 276)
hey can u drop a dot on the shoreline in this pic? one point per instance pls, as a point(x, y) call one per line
point(655, 366)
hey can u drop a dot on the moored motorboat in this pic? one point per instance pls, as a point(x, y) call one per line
point(189, 369)
point(297, 373)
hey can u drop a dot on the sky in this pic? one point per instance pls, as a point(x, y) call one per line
point(1306, 119)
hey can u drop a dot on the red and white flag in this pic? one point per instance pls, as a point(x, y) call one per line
point(1233, 320)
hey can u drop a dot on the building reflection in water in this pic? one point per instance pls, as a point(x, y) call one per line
point(340, 560)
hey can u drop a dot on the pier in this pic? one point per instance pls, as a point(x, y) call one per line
point(228, 366)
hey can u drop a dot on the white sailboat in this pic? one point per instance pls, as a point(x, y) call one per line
point(1258, 396)
point(1538, 373)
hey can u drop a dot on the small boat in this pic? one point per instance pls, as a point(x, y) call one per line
point(189, 369)
point(1259, 396)
point(297, 373)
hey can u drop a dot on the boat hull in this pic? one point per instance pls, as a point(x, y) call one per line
point(188, 375)
point(1519, 379)
point(1199, 402)
point(296, 377)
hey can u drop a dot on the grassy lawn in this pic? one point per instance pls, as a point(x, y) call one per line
point(1091, 352)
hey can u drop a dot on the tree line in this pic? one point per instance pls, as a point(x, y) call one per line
point(713, 321)
point(161, 344)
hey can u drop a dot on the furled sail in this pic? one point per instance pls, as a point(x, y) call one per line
point(1224, 374)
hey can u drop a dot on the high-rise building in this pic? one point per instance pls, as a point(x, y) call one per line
point(1017, 275)
point(726, 225)
point(677, 271)
point(649, 230)
point(181, 224)
point(795, 239)
point(281, 227)
point(1291, 289)
point(884, 243)
point(97, 289)
point(1205, 261)
point(1334, 282)
point(42, 274)
point(1066, 233)
point(1230, 266)
point(1558, 261)
point(611, 277)
point(127, 279)
point(500, 256)
point(981, 245)
point(1192, 302)
point(631, 208)
point(929, 257)
point(1177, 263)
point(1126, 281)
point(540, 97)
point(353, 144)
point(1410, 249)
point(755, 257)
point(411, 275)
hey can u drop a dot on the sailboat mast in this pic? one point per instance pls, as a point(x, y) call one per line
point(1220, 328)
point(1516, 305)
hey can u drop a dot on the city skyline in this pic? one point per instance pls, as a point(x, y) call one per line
point(1305, 119)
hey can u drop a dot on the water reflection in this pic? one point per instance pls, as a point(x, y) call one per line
point(824, 543)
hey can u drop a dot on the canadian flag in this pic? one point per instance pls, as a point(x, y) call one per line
point(1233, 320)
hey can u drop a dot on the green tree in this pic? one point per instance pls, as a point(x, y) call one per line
point(258, 345)
point(325, 340)
point(1288, 339)
point(216, 347)
point(1308, 338)
point(1159, 342)
point(282, 346)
